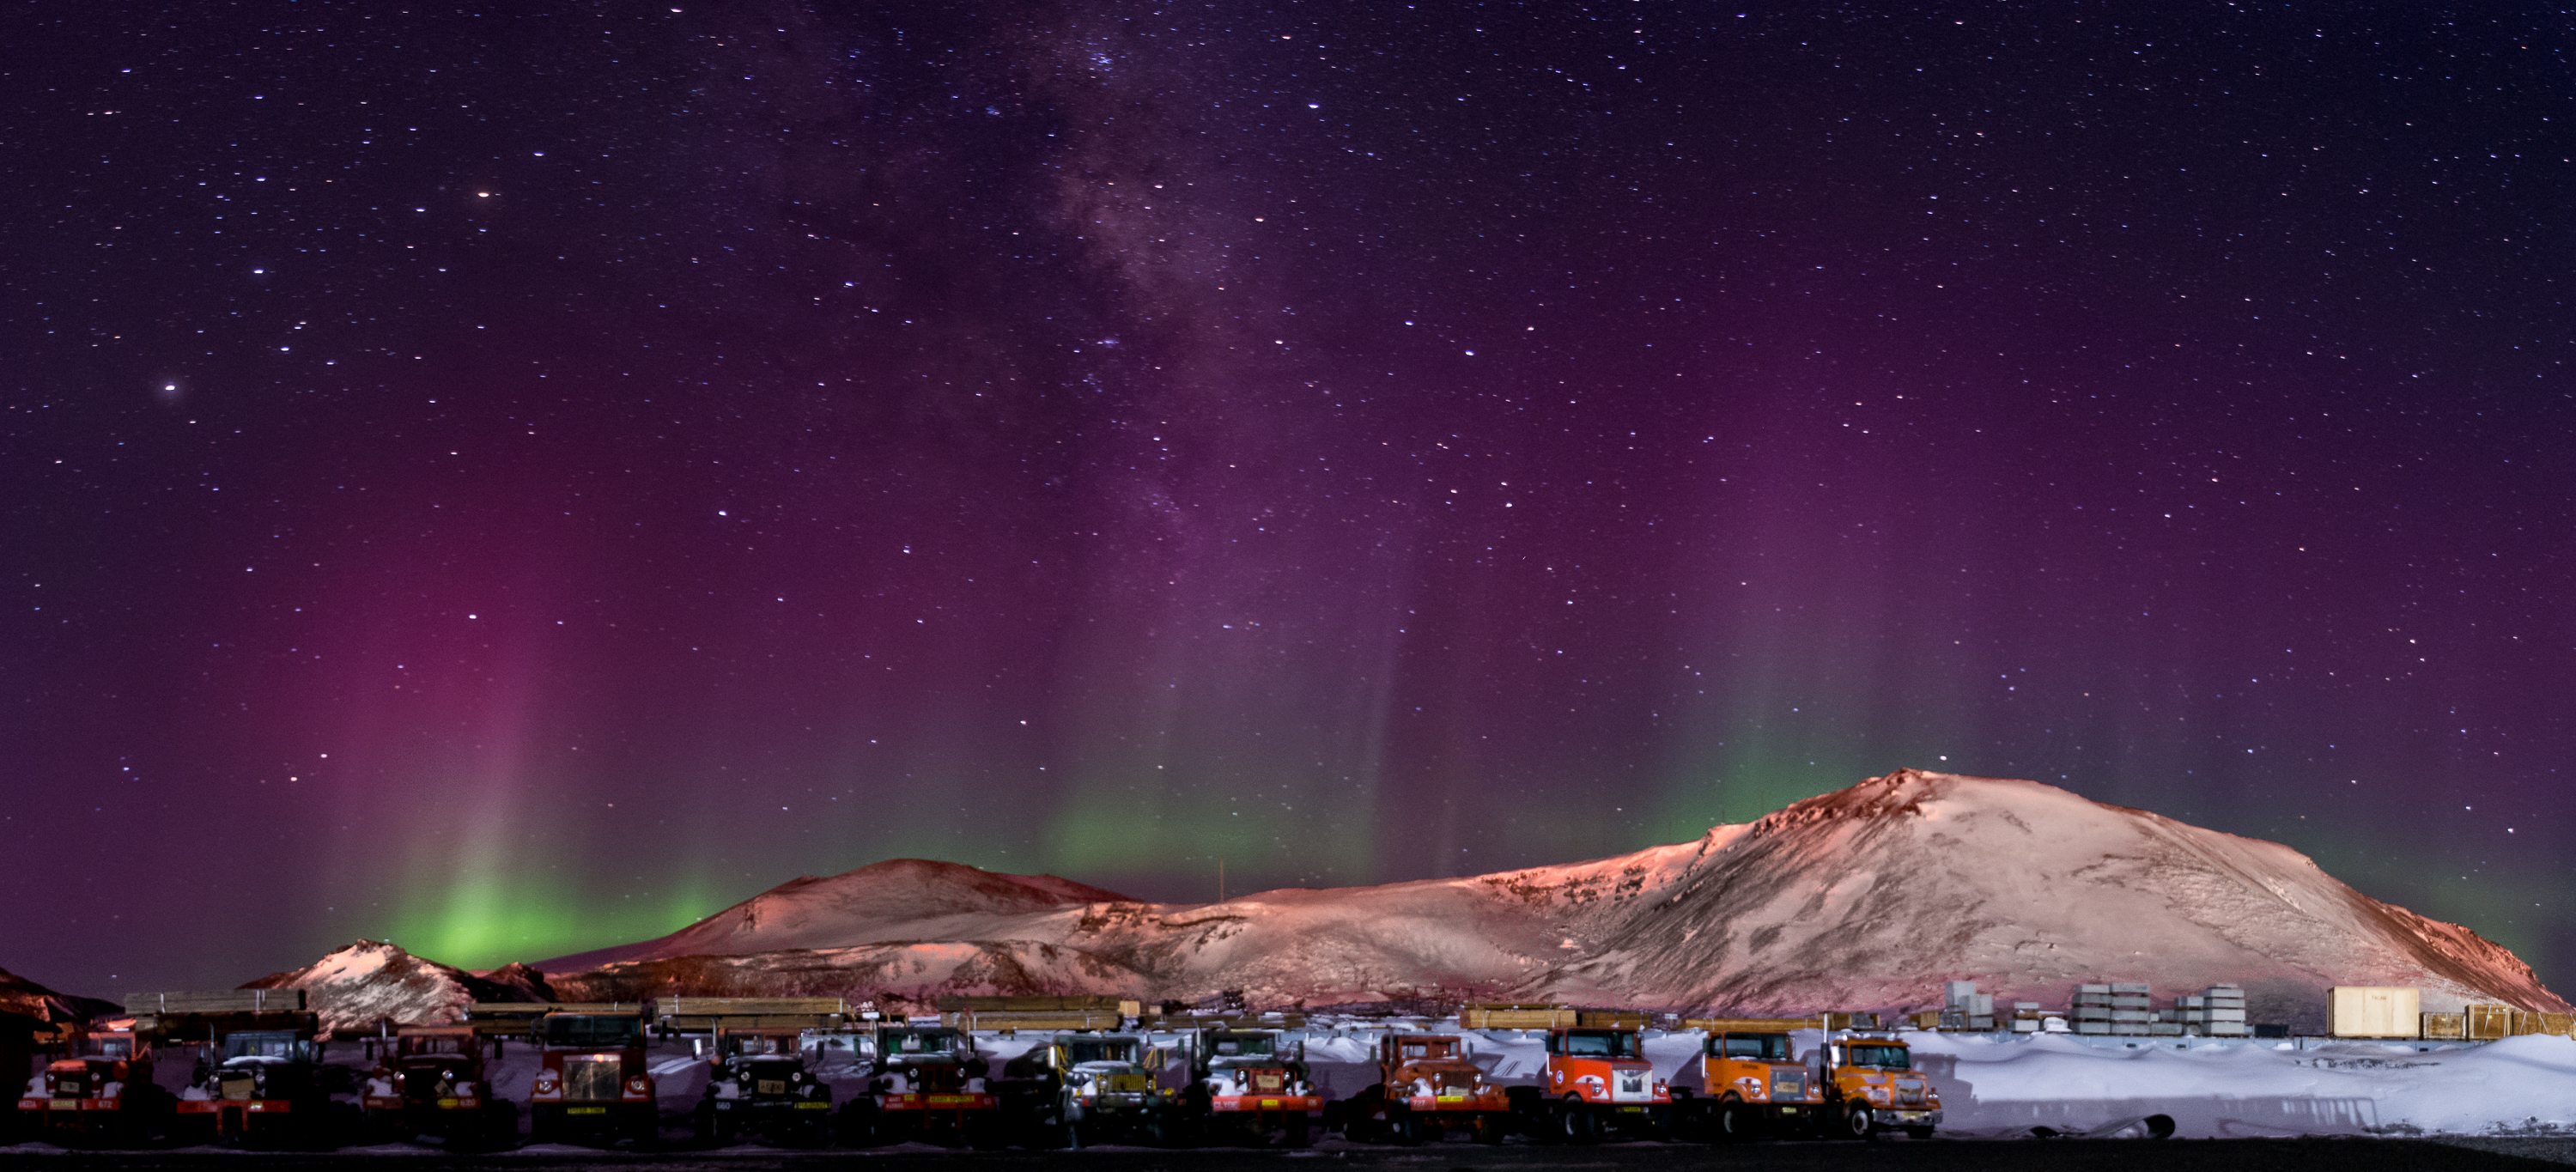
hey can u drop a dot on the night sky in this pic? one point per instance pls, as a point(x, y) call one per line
point(514, 479)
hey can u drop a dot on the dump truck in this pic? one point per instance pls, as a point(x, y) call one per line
point(432, 1082)
point(1082, 1089)
point(1250, 1086)
point(928, 1085)
point(100, 1091)
point(1598, 1083)
point(760, 1086)
point(1871, 1086)
point(591, 1084)
point(1427, 1089)
point(1752, 1085)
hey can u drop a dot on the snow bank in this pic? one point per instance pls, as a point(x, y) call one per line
point(2214, 1089)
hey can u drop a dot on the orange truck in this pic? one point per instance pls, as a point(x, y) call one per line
point(1598, 1082)
point(100, 1090)
point(930, 1085)
point(1751, 1085)
point(1871, 1086)
point(1252, 1085)
point(1426, 1089)
point(591, 1082)
point(432, 1082)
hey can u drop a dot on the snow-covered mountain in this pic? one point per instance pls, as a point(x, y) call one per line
point(354, 987)
point(1866, 899)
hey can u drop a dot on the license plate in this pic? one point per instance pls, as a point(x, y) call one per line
point(1450, 1099)
point(65, 1104)
point(585, 1110)
point(813, 1106)
point(447, 1104)
point(1632, 1109)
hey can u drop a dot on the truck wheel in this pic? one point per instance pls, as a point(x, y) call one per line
point(1857, 1123)
point(1734, 1120)
point(1575, 1122)
point(1399, 1126)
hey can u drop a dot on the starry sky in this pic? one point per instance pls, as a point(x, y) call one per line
point(512, 479)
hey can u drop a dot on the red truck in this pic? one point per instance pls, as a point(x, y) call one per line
point(1251, 1085)
point(929, 1084)
point(1599, 1082)
point(432, 1082)
point(1427, 1089)
point(99, 1091)
point(591, 1082)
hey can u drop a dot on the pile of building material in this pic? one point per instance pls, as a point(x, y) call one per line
point(2217, 1012)
point(1963, 1008)
point(2115, 1007)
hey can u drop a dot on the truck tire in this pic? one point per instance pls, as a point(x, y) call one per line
point(1858, 1123)
point(1575, 1121)
point(1734, 1120)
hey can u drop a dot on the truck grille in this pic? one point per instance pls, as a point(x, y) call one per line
point(235, 1086)
point(1909, 1092)
point(591, 1080)
point(1268, 1082)
point(1629, 1086)
point(1788, 1086)
point(769, 1086)
point(69, 1086)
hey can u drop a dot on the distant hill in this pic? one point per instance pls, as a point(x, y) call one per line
point(354, 987)
point(21, 996)
point(1867, 898)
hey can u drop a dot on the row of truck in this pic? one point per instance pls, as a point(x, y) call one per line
point(262, 1080)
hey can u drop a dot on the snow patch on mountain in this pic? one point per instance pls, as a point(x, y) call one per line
point(371, 981)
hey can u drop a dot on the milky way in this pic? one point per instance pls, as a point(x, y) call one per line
point(513, 482)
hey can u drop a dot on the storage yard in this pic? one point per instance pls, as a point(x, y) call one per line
point(249, 1068)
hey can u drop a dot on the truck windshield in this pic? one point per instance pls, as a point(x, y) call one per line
point(1763, 1047)
point(1605, 1044)
point(1080, 1050)
point(919, 1042)
point(433, 1044)
point(1242, 1045)
point(96, 1046)
point(1426, 1049)
point(268, 1044)
point(1884, 1057)
point(591, 1031)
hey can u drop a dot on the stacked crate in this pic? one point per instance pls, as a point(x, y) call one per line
point(2117, 1007)
point(2448, 1027)
point(2027, 1016)
point(2527, 1022)
point(2217, 1011)
point(1963, 1008)
point(2488, 1023)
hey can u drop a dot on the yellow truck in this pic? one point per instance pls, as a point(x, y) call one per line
point(1871, 1086)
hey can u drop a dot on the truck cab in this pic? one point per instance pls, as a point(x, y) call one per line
point(1871, 1086)
point(591, 1080)
point(101, 1087)
point(432, 1082)
point(759, 1084)
point(1426, 1089)
point(1754, 1086)
point(929, 1084)
point(1598, 1081)
point(1252, 1084)
point(260, 1084)
point(1105, 1088)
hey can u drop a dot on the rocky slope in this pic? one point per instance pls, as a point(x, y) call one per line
point(1866, 898)
point(21, 996)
